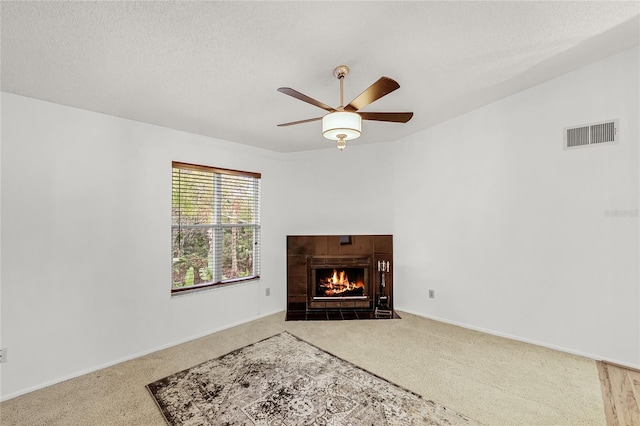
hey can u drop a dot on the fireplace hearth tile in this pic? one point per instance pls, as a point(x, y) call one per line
point(346, 315)
point(365, 315)
point(349, 315)
point(334, 315)
point(297, 306)
point(316, 316)
point(296, 316)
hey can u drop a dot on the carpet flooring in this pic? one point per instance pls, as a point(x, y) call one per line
point(493, 380)
point(283, 380)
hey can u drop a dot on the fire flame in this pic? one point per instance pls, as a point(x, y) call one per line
point(339, 283)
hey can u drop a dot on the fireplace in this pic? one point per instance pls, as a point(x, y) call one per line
point(339, 277)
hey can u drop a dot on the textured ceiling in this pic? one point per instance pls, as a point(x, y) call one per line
point(213, 68)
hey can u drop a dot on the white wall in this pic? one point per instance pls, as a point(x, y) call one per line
point(340, 193)
point(86, 241)
point(510, 230)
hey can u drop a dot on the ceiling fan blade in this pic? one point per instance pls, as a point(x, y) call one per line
point(396, 117)
point(304, 98)
point(300, 122)
point(383, 86)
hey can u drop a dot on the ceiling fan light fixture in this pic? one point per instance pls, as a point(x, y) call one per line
point(341, 125)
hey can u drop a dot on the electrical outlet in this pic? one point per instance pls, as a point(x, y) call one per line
point(3, 355)
point(432, 294)
point(267, 292)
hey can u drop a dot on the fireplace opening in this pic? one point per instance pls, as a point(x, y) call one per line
point(340, 282)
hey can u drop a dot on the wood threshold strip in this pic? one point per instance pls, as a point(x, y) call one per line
point(621, 393)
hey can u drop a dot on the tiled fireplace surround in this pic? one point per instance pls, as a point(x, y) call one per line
point(308, 254)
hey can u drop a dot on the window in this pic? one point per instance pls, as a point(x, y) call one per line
point(215, 229)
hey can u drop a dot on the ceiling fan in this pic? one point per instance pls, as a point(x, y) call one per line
point(345, 122)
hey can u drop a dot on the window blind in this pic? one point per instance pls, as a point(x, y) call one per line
point(215, 230)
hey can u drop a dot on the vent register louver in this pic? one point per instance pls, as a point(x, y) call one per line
point(591, 134)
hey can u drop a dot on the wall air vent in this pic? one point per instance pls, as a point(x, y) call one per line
point(605, 132)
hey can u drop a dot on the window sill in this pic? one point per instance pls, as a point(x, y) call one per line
point(203, 287)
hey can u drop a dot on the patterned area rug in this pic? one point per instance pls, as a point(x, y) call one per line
point(283, 380)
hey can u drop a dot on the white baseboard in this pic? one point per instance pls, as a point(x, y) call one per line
point(525, 340)
point(130, 357)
